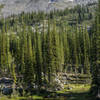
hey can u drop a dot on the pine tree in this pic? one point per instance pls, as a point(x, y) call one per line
point(96, 56)
point(44, 51)
point(76, 63)
point(3, 51)
point(55, 49)
point(66, 50)
point(29, 72)
point(49, 53)
point(61, 51)
point(38, 60)
point(9, 56)
point(86, 52)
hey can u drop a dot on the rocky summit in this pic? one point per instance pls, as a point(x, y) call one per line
point(18, 6)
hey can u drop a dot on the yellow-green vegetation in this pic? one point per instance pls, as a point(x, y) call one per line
point(15, 98)
point(21, 98)
point(70, 92)
point(76, 92)
point(75, 88)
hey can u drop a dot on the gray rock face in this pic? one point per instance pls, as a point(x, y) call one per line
point(18, 6)
point(85, 1)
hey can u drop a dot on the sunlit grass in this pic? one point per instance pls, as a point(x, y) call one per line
point(76, 92)
point(13, 98)
point(75, 88)
point(21, 98)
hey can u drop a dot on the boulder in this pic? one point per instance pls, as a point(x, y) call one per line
point(5, 80)
point(7, 91)
point(57, 80)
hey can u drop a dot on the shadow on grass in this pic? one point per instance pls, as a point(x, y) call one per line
point(59, 96)
point(75, 96)
point(67, 96)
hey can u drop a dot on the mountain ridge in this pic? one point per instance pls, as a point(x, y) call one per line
point(18, 6)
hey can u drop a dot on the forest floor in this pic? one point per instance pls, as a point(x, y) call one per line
point(70, 92)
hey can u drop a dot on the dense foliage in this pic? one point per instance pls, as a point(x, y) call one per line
point(95, 54)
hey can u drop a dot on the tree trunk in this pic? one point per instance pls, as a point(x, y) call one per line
point(98, 95)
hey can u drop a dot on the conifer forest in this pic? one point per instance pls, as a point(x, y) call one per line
point(54, 55)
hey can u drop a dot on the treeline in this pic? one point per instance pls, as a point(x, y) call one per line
point(95, 55)
point(78, 14)
point(37, 55)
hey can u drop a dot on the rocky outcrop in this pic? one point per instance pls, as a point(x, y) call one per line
point(6, 81)
point(74, 78)
point(65, 79)
point(6, 86)
point(7, 91)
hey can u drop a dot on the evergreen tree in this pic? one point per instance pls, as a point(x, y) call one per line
point(66, 50)
point(8, 54)
point(75, 52)
point(29, 72)
point(38, 60)
point(44, 51)
point(96, 55)
point(86, 52)
point(61, 51)
point(55, 49)
point(3, 52)
point(49, 53)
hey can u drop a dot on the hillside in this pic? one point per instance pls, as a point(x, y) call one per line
point(18, 6)
point(49, 49)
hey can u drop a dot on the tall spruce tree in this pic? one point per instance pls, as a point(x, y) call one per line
point(49, 53)
point(44, 51)
point(3, 51)
point(55, 49)
point(96, 55)
point(38, 60)
point(86, 52)
point(8, 54)
point(66, 49)
point(29, 72)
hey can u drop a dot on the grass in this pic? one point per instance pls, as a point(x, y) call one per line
point(35, 97)
point(75, 88)
point(76, 92)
